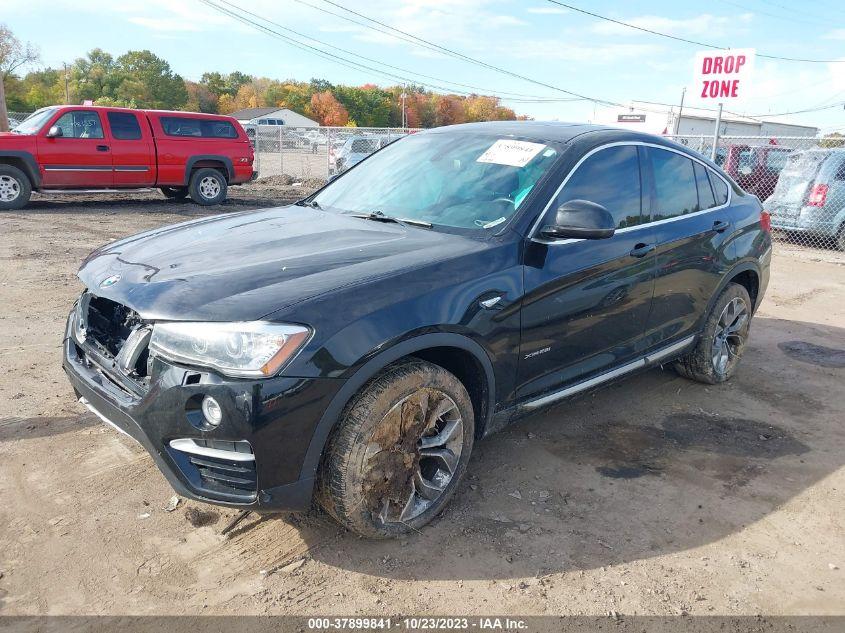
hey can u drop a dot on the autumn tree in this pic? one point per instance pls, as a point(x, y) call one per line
point(13, 55)
point(328, 110)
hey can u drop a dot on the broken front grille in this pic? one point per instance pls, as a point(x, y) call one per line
point(116, 332)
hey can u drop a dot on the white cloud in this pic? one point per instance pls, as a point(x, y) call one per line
point(547, 10)
point(704, 24)
point(165, 24)
point(836, 34)
point(553, 50)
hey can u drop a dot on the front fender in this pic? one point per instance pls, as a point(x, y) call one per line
point(362, 374)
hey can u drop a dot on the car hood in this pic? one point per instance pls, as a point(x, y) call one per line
point(245, 266)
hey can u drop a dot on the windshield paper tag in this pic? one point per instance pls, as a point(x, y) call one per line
point(513, 153)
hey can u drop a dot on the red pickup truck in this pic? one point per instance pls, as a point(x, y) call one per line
point(72, 148)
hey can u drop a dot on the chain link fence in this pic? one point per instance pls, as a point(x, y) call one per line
point(17, 117)
point(800, 181)
point(315, 152)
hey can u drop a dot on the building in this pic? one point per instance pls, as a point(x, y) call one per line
point(273, 116)
point(655, 119)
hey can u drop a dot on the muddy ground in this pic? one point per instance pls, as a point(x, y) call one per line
point(655, 495)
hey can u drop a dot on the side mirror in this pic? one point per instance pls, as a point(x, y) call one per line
point(54, 131)
point(580, 219)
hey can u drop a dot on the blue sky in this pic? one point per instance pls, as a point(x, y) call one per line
point(531, 37)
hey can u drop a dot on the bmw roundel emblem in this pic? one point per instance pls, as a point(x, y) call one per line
point(109, 281)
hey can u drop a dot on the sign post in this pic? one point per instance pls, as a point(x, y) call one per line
point(722, 76)
point(716, 134)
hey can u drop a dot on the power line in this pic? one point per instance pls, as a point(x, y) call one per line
point(321, 53)
point(376, 61)
point(432, 45)
point(681, 39)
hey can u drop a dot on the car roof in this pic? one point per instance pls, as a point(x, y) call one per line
point(541, 130)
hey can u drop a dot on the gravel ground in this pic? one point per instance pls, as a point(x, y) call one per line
point(653, 496)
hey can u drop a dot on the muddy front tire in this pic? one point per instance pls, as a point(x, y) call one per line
point(716, 356)
point(399, 451)
point(15, 188)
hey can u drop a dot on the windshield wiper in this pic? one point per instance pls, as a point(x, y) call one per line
point(313, 204)
point(380, 216)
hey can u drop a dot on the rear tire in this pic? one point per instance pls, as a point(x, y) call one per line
point(716, 356)
point(15, 188)
point(175, 193)
point(208, 186)
point(399, 451)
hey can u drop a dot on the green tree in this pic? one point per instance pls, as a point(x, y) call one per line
point(93, 76)
point(149, 81)
point(14, 54)
point(833, 140)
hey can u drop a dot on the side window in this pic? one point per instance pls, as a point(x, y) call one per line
point(124, 126)
point(706, 199)
point(611, 178)
point(80, 124)
point(674, 182)
point(205, 128)
point(720, 188)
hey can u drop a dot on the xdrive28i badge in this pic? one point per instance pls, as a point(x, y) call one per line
point(109, 281)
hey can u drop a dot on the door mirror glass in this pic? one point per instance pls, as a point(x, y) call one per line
point(580, 219)
point(54, 131)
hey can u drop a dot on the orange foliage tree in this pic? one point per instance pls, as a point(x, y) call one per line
point(327, 109)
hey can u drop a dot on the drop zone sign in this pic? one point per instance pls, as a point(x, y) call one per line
point(723, 75)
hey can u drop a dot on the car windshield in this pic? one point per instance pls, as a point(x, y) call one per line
point(35, 121)
point(460, 180)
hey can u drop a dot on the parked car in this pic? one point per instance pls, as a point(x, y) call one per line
point(756, 168)
point(810, 195)
point(357, 148)
point(355, 346)
point(66, 148)
point(13, 123)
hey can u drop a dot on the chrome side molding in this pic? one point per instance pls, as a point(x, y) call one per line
point(648, 359)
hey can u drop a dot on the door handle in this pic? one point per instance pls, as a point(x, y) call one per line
point(102, 148)
point(719, 226)
point(641, 250)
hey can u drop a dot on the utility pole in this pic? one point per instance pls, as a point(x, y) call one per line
point(680, 110)
point(67, 96)
point(403, 105)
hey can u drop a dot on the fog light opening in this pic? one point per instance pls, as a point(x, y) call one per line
point(211, 411)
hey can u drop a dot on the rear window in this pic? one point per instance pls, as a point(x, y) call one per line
point(776, 160)
point(124, 126)
point(364, 146)
point(202, 128)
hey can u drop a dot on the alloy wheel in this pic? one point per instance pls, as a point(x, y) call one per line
point(209, 187)
point(10, 189)
point(729, 337)
point(422, 464)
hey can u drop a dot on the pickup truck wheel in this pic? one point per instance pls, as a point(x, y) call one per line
point(716, 356)
point(208, 187)
point(15, 188)
point(176, 193)
point(399, 451)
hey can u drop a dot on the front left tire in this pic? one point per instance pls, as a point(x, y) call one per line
point(399, 452)
point(15, 188)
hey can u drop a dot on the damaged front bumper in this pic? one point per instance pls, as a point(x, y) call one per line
point(253, 459)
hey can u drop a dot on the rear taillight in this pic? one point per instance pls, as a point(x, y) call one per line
point(765, 221)
point(818, 196)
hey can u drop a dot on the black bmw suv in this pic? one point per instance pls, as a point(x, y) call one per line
point(352, 347)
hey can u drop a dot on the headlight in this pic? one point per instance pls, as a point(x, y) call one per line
point(253, 350)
